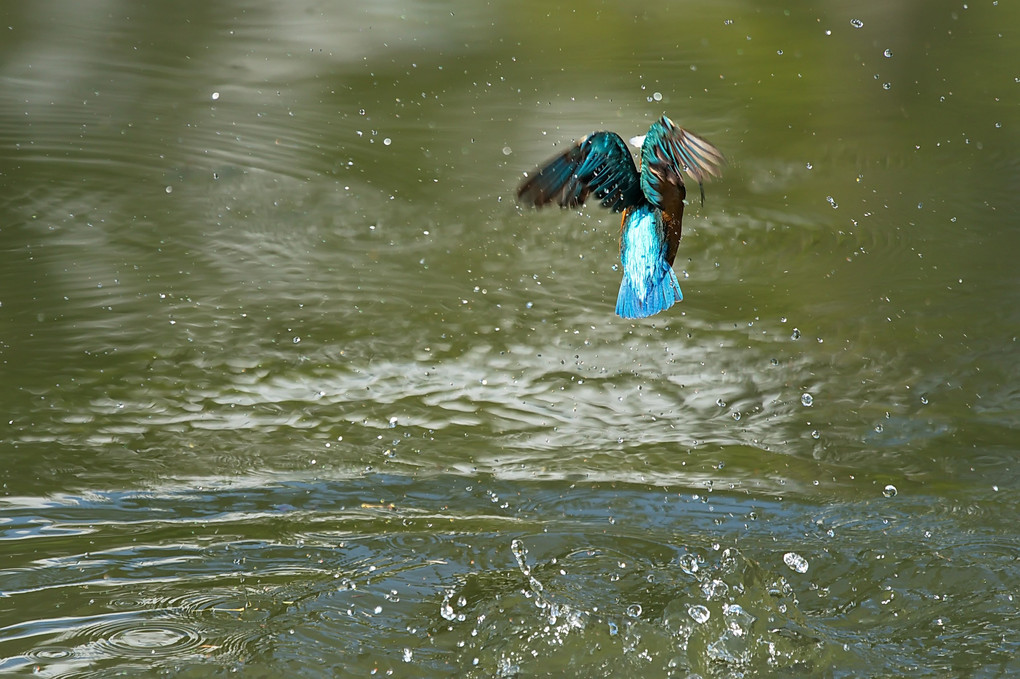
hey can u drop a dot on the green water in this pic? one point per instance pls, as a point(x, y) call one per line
point(290, 385)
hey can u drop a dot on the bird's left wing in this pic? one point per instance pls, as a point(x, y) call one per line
point(668, 151)
point(598, 164)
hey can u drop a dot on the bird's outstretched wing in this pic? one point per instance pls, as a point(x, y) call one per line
point(666, 153)
point(598, 164)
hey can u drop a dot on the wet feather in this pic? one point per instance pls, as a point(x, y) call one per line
point(652, 201)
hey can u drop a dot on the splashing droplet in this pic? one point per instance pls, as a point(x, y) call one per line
point(445, 609)
point(699, 613)
point(887, 53)
point(807, 400)
point(889, 491)
point(856, 23)
point(521, 555)
point(689, 564)
point(796, 562)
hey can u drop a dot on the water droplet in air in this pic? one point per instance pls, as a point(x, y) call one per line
point(806, 400)
point(699, 613)
point(715, 588)
point(387, 141)
point(507, 150)
point(215, 96)
point(815, 434)
point(657, 96)
point(889, 490)
point(721, 403)
point(886, 86)
point(879, 428)
point(796, 562)
point(832, 201)
point(520, 553)
point(634, 610)
point(169, 189)
point(856, 23)
point(887, 53)
point(924, 400)
point(796, 334)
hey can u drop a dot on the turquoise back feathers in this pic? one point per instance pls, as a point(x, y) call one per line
point(652, 201)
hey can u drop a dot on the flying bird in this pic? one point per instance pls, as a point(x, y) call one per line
point(652, 201)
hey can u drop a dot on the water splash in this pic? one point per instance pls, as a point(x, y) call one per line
point(699, 614)
point(796, 562)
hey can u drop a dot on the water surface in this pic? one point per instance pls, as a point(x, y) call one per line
point(292, 385)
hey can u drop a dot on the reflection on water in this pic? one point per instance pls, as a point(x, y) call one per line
point(290, 382)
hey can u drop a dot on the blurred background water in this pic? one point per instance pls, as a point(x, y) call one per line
point(290, 384)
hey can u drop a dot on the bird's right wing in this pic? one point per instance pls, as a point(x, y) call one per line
point(599, 164)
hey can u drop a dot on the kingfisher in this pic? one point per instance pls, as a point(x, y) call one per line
point(652, 201)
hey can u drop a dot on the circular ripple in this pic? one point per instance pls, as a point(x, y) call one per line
point(231, 620)
point(148, 638)
point(194, 603)
point(50, 653)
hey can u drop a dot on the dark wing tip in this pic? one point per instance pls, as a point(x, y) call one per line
point(554, 181)
point(599, 164)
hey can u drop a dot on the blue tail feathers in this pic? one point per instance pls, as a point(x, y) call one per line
point(649, 284)
point(640, 299)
